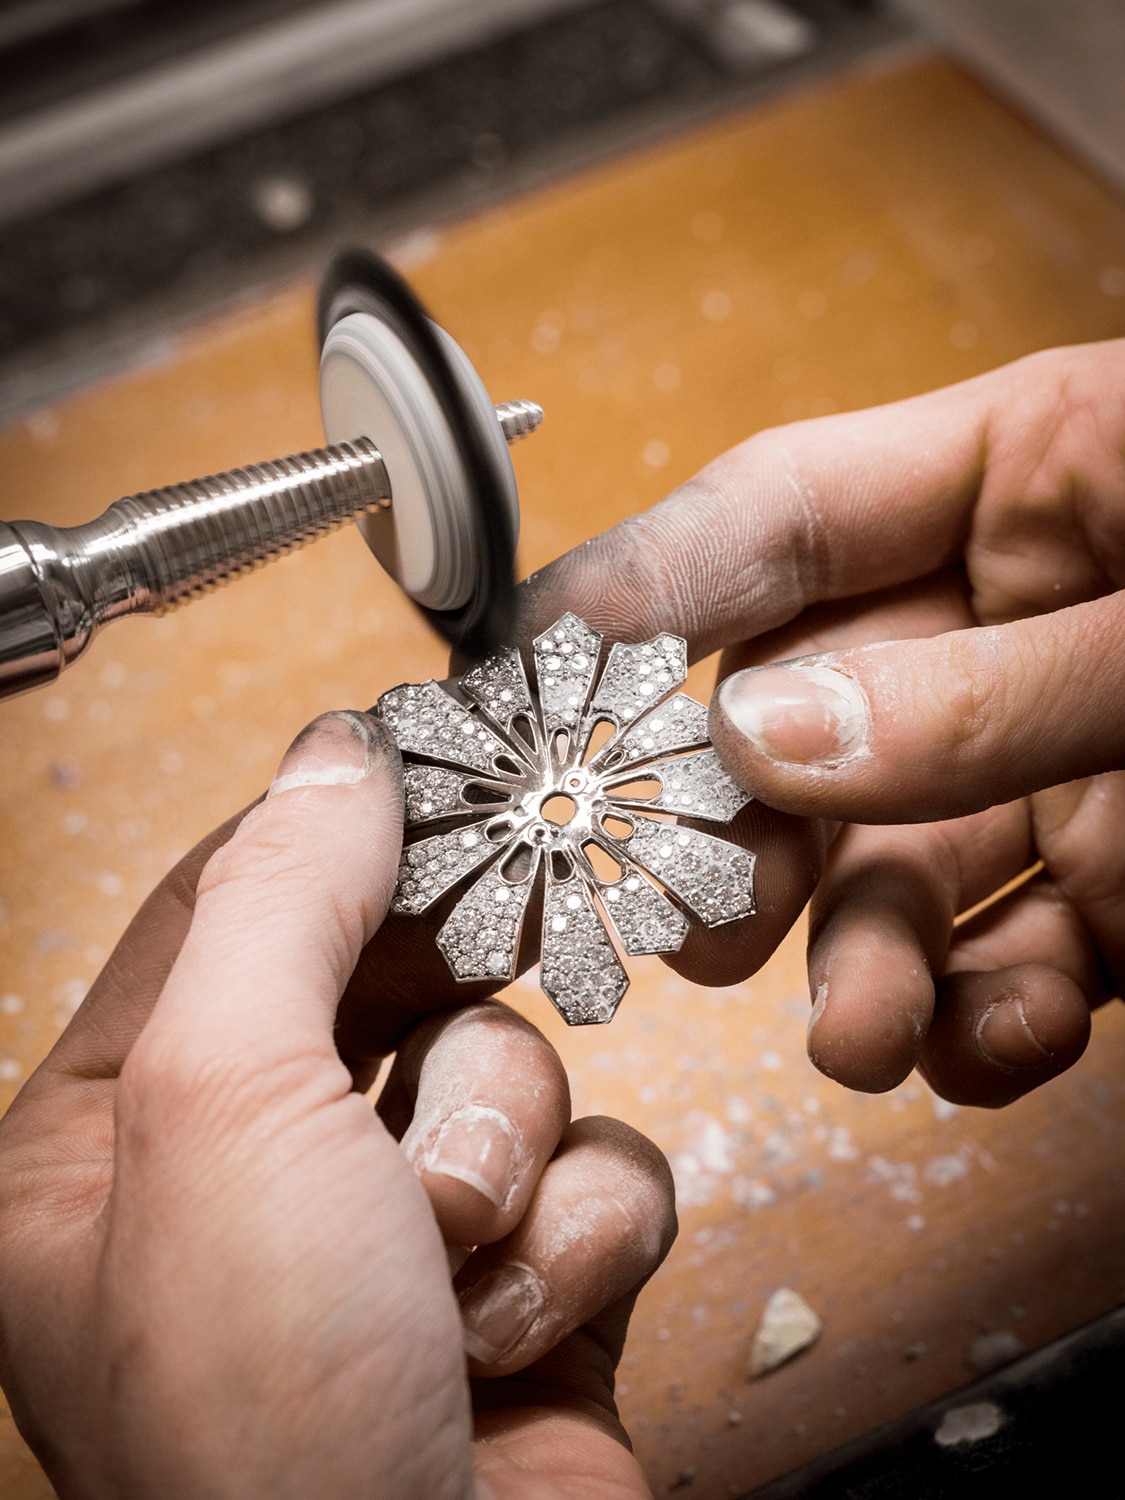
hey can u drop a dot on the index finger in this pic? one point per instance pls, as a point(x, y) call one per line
point(826, 509)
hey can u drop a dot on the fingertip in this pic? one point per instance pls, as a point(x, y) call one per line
point(473, 1169)
point(807, 712)
point(998, 1035)
point(340, 748)
point(490, 1100)
point(869, 1040)
point(602, 1220)
point(789, 857)
point(869, 973)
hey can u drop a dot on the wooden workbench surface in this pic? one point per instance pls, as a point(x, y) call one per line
point(875, 237)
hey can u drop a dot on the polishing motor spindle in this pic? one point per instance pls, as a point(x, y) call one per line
point(417, 455)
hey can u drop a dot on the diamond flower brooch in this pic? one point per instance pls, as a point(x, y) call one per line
point(528, 794)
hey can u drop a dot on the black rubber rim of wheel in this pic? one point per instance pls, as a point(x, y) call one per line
point(356, 280)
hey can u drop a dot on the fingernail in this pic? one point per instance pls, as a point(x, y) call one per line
point(800, 715)
point(1005, 1039)
point(497, 1311)
point(820, 1005)
point(334, 750)
point(479, 1146)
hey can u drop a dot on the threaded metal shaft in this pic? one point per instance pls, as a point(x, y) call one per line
point(149, 552)
point(187, 539)
point(518, 419)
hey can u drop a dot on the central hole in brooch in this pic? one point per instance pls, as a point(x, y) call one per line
point(558, 809)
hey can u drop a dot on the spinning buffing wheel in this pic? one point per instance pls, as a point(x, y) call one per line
point(388, 373)
point(417, 456)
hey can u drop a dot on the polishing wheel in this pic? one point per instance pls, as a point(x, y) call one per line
point(390, 374)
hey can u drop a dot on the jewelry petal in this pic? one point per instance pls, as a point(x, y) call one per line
point(645, 921)
point(425, 720)
point(696, 786)
point(432, 792)
point(433, 866)
point(499, 685)
point(578, 969)
point(481, 935)
point(679, 724)
point(566, 658)
point(636, 677)
point(713, 878)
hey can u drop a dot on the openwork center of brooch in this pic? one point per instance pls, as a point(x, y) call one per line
point(571, 791)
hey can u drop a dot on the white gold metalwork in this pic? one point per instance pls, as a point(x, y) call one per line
point(515, 789)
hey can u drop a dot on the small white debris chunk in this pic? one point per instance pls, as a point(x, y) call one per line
point(969, 1424)
point(788, 1325)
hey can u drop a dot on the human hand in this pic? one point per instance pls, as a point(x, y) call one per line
point(944, 570)
point(221, 1275)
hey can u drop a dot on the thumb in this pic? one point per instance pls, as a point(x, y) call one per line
point(283, 909)
point(916, 731)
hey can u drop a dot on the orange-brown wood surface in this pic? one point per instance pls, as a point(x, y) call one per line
point(874, 237)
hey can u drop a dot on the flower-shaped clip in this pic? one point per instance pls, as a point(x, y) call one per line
point(521, 787)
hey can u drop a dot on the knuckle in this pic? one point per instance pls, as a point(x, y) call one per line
point(972, 692)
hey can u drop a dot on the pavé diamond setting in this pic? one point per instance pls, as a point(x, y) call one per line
point(526, 792)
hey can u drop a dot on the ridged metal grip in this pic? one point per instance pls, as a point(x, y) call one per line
point(149, 552)
point(191, 538)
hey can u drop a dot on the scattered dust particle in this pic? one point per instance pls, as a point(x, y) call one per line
point(283, 202)
point(969, 1424)
point(417, 248)
point(685, 1477)
point(734, 1418)
point(751, 1194)
point(914, 1351)
point(64, 775)
point(915, 1221)
point(841, 1147)
point(10, 1069)
point(788, 1325)
point(991, 1350)
point(943, 1170)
